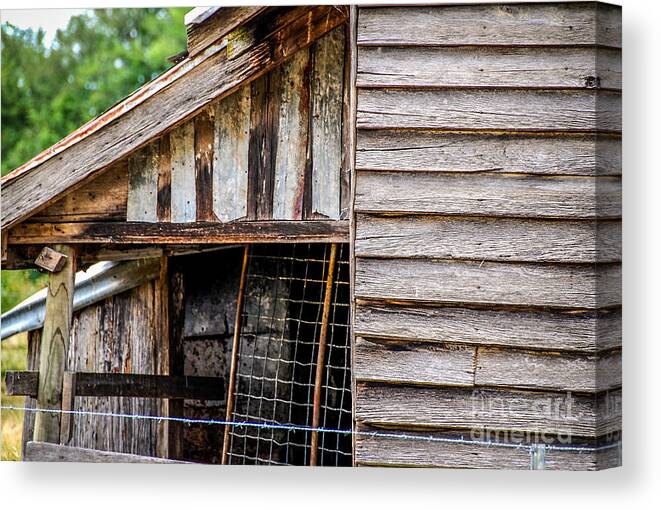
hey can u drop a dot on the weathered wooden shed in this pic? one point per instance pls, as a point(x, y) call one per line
point(344, 235)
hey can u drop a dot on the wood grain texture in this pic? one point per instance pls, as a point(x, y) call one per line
point(502, 239)
point(204, 158)
point(500, 67)
point(584, 23)
point(163, 207)
point(230, 176)
point(327, 88)
point(55, 340)
point(415, 364)
point(102, 199)
point(48, 452)
point(406, 407)
point(587, 155)
point(565, 286)
point(223, 21)
point(542, 329)
point(474, 110)
point(212, 77)
point(143, 184)
point(394, 452)
point(331, 231)
point(531, 370)
point(488, 195)
point(183, 199)
point(290, 157)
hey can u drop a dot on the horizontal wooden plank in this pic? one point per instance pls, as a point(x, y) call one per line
point(475, 110)
point(126, 385)
point(540, 329)
point(522, 284)
point(396, 406)
point(50, 452)
point(102, 199)
point(587, 155)
point(584, 23)
point(505, 239)
point(488, 195)
point(500, 67)
point(326, 231)
point(534, 370)
point(169, 100)
point(419, 364)
point(375, 450)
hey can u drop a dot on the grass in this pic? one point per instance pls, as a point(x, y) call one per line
point(13, 356)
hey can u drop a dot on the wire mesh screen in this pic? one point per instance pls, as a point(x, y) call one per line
point(277, 358)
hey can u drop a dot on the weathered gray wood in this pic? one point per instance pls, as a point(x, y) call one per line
point(204, 127)
point(54, 346)
point(142, 202)
point(523, 284)
point(22, 382)
point(584, 23)
point(415, 364)
point(327, 80)
point(292, 136)
point(331, 231)
point(534, 370)
point(444, 152)
point(149, 114)
point(501, 110)
point(542, 329)
point(230, 175)
point(488, 195)
point(402, 407)
point(395, 452)
point(51, 260)
point(505, 239)
point(571, 67)
point(182, 146)
point(48, 452)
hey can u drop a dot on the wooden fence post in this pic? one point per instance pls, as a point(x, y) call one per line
point(54, 345)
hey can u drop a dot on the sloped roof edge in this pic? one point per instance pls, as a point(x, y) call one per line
point(199, 14)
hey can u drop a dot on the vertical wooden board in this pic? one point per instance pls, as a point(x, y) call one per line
point(143, 184)
point(231, 142)
point(327, 104)
point(183, 203)
point(164, 179)
point(204, 157)
point(291, 150)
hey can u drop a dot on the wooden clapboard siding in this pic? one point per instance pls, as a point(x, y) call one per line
point(586, 155)
point(577, 24)
point(502, 67)
point(569, 286)
point(497, 109)
point(104, 198)
point(416, 450)
point(588, 331)
point(487, 232)
point(493, 409)
point(488, 195)
point(506, 239)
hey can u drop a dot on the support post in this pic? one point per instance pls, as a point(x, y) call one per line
point(318, 380)
point(54, 346)
point(231, 386)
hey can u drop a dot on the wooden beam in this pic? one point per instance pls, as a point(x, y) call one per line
point(51, 260)
point(176, 96)
point(307, 231)
point(54, 347)
point(46, 452)
point(126, 385)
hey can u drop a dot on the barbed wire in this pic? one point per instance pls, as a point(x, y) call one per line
point(306, 428)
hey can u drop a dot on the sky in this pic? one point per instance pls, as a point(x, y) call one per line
point(48, 19)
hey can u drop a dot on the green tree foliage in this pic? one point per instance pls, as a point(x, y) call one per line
point(102, 56)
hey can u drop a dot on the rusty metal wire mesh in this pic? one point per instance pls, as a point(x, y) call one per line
point(281, 326)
